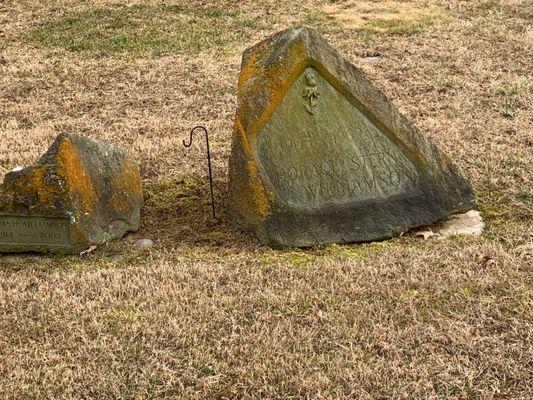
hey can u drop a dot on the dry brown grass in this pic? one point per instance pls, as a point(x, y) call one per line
point(211, 314)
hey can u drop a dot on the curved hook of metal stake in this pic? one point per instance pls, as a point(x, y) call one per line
point(208, 161)
point(192, 131)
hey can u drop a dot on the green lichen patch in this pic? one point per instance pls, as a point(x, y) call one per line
point(303, 258)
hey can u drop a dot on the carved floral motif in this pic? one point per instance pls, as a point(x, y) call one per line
point(311, 92)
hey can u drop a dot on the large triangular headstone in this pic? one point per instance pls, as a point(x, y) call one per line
point(320, 155)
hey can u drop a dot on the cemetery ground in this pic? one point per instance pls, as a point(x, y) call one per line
point(206, 313)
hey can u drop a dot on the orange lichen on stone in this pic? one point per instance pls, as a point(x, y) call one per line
point(76, 234)
point(80, 185)
point(46, 194)
point(249, 71)
point(32, 185)
point(257, 197)
point(279, 77)
point(126, 185)
point(93, 187)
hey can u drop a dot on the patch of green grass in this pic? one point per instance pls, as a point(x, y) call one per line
point(359, 251)
point(506, 9)
point(451, 81)
point(499, 201)
point(510, 90)
point(488, 5)
point(303, 258)
point(125, 313)
point(502, 210)
point(320, 21)
point(453, 111)
point(298, 258)
point(46, 263)
point(170, 194)
point(369, 38)
point(466, 291)
point(525, 197)
point(216, 256)
point(491, 203)
point(508, 107)
point(413, 294)
point(147, 30)
point(522, 303)
point(81, 263)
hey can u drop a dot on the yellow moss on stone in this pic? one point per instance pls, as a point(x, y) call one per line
point(280, 80)
point(126, 182)
point(80, 185)
point(257, 197)
point(249, 70)
point(32, 185)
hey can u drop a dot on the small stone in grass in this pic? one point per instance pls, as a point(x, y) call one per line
point(143, 243)
point(469, 223)
point(371, 59)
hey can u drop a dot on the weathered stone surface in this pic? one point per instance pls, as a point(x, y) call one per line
point(470, 223)
point(320, 155)
point(80, 193)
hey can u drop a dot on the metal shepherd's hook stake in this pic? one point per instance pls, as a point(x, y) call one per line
point(208, 162)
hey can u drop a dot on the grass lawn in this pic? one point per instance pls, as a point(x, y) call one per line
point(211, 314)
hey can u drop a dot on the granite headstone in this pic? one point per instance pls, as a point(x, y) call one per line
point(319, 154)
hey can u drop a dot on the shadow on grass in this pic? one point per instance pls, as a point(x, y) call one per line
point(177, 216)
point(178, 212)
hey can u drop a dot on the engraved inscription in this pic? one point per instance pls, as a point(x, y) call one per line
point(333, 156)
point(23, 230)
